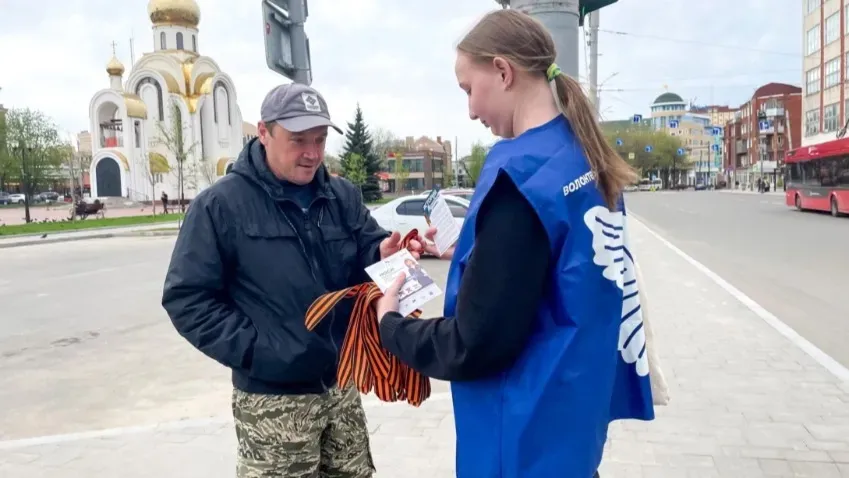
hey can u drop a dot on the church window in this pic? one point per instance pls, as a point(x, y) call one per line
point(194, 43)
point(220, 91)
point(162, 44)
point(137, 133)
point(155, 84)
point(179, 41)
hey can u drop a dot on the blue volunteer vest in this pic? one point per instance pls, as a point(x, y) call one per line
point(586, 363)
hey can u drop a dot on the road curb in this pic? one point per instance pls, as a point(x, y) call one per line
point(148, 233)
point(107, 233)
point(54, 240)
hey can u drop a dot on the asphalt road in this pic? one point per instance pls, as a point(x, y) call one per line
point(85, 344)
point(792, 263)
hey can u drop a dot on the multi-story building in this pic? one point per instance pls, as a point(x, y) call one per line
point(719, 114)
point(670, 113)
point(761, 133)
point(825, 68)
point(425, 162)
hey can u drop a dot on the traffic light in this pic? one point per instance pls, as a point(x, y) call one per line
point(587, 6)
point(287, 47)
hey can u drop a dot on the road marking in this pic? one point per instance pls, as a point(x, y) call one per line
point(818, 355)
point(175, 425)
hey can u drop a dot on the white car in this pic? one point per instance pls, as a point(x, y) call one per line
point(407, 213)
point(16, 198)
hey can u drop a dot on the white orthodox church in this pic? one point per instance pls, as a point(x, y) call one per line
point(171, 93)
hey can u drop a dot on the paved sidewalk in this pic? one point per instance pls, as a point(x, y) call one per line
point(741, 191)
point(94, 233)
point(747, 402)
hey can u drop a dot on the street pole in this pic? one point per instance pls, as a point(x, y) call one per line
point(560, 18)
point(300, 43)
point(710, 160)
point(22, 148)
point(593, 44)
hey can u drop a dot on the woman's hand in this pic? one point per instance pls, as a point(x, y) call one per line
point(389, 302)
point(430, 245)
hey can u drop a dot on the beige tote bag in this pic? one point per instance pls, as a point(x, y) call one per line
point(659, 387)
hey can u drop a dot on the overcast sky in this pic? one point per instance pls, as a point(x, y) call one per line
point(396, 57)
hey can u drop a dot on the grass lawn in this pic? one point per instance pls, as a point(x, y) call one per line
point(67, 226)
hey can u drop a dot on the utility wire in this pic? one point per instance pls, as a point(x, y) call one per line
point(623, 90)
point(703, 77)
point(703, 43)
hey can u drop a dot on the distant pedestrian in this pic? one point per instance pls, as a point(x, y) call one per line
point(255, 250)
point(542, 335)
point(164, 199)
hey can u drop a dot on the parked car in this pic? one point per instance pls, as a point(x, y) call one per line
point(407, 213)
point(16, 198)
point(49, 196)
point(460, 193)
point(5, 199)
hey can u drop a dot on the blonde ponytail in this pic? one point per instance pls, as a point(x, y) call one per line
point(612, 173)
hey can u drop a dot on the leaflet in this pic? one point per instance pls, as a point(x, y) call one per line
point(438, 214)
point(418, 289)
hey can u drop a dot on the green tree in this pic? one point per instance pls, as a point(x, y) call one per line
point(447, 177)
point(35, 149)
point(355, 170)
point(385, 142)
point(402, 172)
point(173, 137)
point(358, 141)
point(333, 164)
point(473, 163)
point(663, 159)
point(6, 161)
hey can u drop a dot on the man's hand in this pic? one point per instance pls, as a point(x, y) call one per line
point(430, 245)
point(392, 244)
point(389, 301)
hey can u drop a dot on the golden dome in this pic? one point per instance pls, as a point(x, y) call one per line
point(185, 13)
point(114, 67)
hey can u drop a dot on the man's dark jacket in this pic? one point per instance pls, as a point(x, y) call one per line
point(247, 264)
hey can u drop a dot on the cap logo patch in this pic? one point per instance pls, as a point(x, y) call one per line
point(311, 102)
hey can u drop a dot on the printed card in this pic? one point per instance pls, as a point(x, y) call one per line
point(418, 289)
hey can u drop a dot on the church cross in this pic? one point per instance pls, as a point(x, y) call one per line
point(113, 47)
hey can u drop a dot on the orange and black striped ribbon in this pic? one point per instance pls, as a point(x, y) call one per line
point(363, 359)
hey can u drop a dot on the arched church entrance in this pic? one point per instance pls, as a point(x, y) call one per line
point(108, 178)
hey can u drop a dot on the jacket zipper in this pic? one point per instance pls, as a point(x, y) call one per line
point(312, 239)
point(313, 264)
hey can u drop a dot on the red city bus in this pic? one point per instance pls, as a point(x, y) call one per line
point(817, 177)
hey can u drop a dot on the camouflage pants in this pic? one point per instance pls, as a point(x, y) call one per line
point(302, 436)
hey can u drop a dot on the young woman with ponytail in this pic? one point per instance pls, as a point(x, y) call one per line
point(542, 337)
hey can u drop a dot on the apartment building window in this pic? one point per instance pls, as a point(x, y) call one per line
point(812, 122)
point(832, 72)
point(812, 5)
point(830, 118)
point(832, 28)
point(812, 43)
point(813, 81)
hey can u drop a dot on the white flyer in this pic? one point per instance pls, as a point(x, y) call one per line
point(438, 214)
point(418, 289)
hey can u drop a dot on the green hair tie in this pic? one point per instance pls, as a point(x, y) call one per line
point(553, 72)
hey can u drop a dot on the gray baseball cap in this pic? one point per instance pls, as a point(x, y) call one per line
point(296, 107)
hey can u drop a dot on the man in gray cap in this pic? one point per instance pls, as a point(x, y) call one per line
point(255, 250)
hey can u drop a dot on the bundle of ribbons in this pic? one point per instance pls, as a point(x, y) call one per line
point(363, 358)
